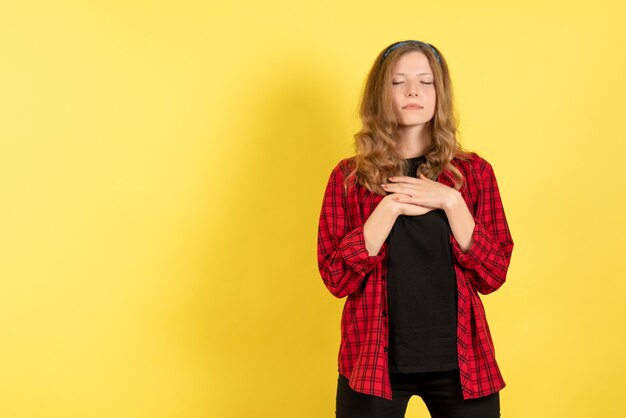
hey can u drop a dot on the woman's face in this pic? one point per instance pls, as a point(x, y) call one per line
point(412, 84)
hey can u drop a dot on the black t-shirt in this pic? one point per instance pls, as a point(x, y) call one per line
point(422, 292)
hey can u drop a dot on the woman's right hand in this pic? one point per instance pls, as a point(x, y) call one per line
point(380, 222)
point(407, 209)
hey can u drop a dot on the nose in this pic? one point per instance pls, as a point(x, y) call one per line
point(413, 89)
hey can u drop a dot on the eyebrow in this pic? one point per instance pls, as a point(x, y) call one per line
point(417, 74)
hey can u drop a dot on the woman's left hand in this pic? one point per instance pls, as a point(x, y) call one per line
point(422, 191)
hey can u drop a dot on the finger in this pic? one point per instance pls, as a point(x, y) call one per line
point(402, 189)
point(403, 179)
point(403, 199)
point(414, 202)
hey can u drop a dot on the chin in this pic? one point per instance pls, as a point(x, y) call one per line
point(414, 122)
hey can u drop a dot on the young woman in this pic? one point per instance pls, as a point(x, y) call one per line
point(411, 229)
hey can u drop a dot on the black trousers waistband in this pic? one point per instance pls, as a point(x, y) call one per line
point(440, 391)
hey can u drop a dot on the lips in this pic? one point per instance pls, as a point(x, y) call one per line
point(412, 106)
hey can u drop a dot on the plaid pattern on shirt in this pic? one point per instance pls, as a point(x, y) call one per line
point(347, 269)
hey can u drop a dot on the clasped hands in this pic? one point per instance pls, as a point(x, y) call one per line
point(421, 191)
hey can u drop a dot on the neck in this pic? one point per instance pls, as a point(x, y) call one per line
point(412, 141)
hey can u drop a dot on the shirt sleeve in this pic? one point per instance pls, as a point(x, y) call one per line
point(487, 261)
point(343, 258)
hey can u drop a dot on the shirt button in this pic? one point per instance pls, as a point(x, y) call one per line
point(384, 313)
point(386, 349)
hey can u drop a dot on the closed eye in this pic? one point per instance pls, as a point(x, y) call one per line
point(400, 82)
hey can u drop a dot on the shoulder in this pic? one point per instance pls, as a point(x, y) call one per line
point(347, 163)
point(343, 167)
point(476, 167)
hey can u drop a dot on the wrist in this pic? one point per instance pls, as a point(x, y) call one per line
point(391, 207)
point(454, 199)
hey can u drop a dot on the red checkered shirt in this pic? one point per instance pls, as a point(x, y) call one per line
point(347, 269)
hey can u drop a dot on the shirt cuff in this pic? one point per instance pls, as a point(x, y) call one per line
point(355, 254)
point(472, 258)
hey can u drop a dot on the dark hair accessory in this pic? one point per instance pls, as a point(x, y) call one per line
point(399, 44)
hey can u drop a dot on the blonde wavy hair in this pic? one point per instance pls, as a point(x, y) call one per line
point(376, 156)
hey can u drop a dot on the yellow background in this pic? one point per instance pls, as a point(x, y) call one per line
point(162, 168)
